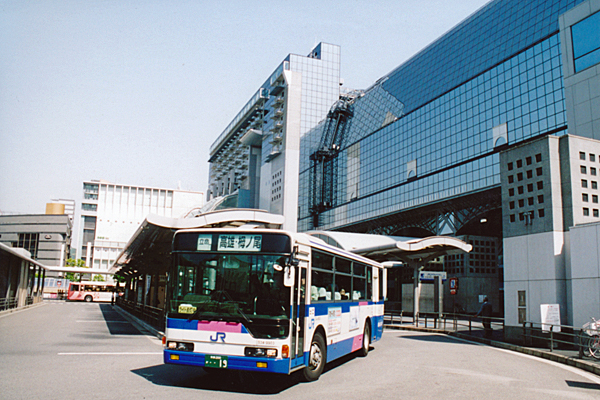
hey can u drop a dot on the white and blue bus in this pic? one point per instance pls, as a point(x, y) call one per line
point(269, 300)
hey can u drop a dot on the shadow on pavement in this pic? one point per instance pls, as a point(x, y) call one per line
point(583, 385)
point(116, 323)
point(431, 338)
point(261, 383)
point(220, 380)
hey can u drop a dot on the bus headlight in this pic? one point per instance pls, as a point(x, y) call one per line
point(180, 346)
point(260, 352)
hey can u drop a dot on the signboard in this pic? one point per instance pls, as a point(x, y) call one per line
point(235, 242)
point(550, 317)
point(334, 320)
point(204, 242)
point(429, 276)
point(453, 285)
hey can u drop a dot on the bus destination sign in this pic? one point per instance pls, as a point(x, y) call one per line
point(239, 242)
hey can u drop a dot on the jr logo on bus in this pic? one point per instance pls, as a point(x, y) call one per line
point(218, 335)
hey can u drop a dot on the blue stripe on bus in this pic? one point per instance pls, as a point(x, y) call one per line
point(280, 366)
point(176, 323)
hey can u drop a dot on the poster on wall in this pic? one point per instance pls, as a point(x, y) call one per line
point(550, 317)
point(334, 320)
point(354, 318)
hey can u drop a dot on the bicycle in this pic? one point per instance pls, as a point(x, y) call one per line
point(589, 339)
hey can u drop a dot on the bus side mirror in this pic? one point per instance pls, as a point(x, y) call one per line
point(288, 276)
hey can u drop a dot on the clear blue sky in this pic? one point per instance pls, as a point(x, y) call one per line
point(135, 92)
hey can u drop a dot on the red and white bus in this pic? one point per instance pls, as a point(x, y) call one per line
point(90, 291)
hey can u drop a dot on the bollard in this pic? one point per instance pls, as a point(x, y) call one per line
point(551, 338)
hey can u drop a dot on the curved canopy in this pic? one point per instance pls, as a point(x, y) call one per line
point(390, 248)
point(149, 248)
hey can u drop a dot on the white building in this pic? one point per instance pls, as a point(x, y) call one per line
point(254, 163)
point(111, 213)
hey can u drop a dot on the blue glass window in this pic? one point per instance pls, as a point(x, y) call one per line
point(586, 42)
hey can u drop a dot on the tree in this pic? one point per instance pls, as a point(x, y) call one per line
point(98, 278)
point(77, 263)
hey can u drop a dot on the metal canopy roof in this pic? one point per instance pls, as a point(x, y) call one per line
point(149, 249)
point(390, 248)
point(24, 255)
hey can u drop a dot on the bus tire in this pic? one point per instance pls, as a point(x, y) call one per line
point(364, 350)
point(88, 299)
point(316, 358)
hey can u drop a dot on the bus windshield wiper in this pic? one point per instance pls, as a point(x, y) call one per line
point(237, 307)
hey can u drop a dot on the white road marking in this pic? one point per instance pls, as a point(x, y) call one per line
point(112, 322)
point(153, 353)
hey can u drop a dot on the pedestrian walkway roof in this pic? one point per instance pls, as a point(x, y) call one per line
point(148, 251)
point(390, 248)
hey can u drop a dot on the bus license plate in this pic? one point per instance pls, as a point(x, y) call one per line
point(215, 361)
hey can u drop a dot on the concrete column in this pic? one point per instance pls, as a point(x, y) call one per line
point(417, 294)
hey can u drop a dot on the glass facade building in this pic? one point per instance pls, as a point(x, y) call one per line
point(254, 162)
point(495, 79)
point(428, 150)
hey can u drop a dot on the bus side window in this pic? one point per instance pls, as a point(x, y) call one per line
point(359, 284)
point(369, 283)
point(322, 282)
point(75, 288)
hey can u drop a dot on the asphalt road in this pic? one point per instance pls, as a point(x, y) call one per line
point(90, 351)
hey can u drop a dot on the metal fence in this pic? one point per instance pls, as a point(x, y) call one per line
point(584, 340)
point(446, 322)
point(10, 303)
point(580, 342)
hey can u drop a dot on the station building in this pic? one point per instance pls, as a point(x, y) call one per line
point(112, 212)
point(488, 134)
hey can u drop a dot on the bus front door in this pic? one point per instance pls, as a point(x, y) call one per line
point(298, 311)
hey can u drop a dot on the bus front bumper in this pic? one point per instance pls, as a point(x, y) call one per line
point(280, 366)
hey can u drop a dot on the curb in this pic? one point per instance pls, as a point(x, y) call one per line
point(571, 361)
point(18, 309)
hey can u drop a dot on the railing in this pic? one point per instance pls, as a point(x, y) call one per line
point(151, 315)
point(582, 341)
point(447, 322)
point(585, 340)
point(8, 303)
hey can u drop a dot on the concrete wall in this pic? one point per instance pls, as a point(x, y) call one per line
point(583, 272)
point(534, 264)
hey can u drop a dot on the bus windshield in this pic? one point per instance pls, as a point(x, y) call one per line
point(246, 288)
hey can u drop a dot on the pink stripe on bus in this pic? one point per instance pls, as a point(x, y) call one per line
point(357, 342)
point(220, 326)
point(363, 303)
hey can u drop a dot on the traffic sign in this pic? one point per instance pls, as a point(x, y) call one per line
point(453, 285)
point(430, 275)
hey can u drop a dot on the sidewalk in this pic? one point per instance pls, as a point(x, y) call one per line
point(564, 356)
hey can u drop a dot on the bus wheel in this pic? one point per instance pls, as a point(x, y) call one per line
point(316, 359)
point(366, 341)
point(88, 299)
